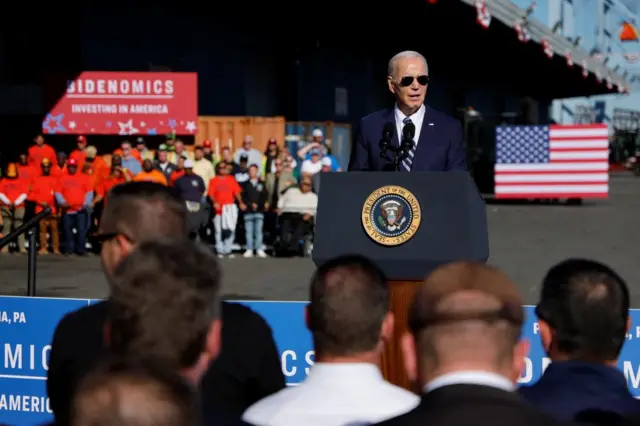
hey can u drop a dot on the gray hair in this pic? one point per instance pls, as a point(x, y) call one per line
point(406, 54)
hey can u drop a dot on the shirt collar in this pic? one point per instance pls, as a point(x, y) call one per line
point(417, 117)
point(344, 372)
point(483, 378)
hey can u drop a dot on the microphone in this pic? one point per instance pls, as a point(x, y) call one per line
point(408, 131)
point(385, 142)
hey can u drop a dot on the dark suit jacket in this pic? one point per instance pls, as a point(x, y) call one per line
point(440, 147)
point(248, 369)
point(567, 388)
point(463, 405)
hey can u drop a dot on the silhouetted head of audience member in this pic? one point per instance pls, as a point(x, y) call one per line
point(137, 212)
point(348, 314)
point(465, 316)
point(583, 312)
point(128, 393)
point(165, 306)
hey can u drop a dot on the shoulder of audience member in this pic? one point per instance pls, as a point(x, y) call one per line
point(86, 315)
point(263, 411)
point(243, 315)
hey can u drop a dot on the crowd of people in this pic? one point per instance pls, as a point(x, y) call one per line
point(246, 193)
point(164, 349)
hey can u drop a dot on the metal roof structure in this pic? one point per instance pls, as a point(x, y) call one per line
point(509, 14)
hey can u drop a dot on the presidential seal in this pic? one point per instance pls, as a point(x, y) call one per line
point(391, 215)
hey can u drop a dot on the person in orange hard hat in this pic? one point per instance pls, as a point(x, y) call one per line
point(13, 193)
point(42, 194)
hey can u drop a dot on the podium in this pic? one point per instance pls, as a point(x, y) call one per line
point(409, 224)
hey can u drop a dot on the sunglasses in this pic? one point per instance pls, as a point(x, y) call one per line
point(407, 81)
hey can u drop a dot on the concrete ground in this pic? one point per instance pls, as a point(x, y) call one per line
point(525, 241)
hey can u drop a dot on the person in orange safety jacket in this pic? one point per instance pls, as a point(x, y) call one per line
point(42, 194)
point(13, 193)
point(75, 197)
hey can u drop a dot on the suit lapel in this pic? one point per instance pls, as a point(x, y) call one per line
point(421, 155)
point(391, 118)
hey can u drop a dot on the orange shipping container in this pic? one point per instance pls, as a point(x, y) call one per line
point(230, 131)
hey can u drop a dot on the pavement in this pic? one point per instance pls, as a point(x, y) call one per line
point(525, 241)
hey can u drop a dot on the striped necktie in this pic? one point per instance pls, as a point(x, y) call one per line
point(408, 162)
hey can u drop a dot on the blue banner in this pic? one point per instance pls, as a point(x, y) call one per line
point(27, 326)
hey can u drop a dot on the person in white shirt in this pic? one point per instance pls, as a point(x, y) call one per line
point(203, 167)
point(464, 349)
point(312, 165)
point(246, 150)
point(348, 316)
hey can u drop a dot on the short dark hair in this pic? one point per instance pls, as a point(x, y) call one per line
point(349, 298)
point(144, 211)
point(164, 297)
point(586, 304)
point(122, 392)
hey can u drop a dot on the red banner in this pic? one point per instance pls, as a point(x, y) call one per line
point(126, 103)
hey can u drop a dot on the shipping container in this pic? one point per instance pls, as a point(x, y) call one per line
point(230, 131)
point(337, 136)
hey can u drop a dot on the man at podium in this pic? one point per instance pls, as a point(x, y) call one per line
point(428, 139)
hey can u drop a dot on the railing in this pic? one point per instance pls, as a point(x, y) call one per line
point(29, 226)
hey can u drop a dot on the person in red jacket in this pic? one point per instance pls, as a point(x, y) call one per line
point(75, 197)
point(13, 193)
point(42, 194)
point(39, 151)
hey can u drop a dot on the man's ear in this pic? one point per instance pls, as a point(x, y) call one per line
point(126, 246)
point(409, 356)
point(386, 330)
point(520, 352)
point(546, 335)
point(214, 339)
point(392, 87)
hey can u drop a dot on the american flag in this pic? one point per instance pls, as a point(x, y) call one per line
point(552, 161)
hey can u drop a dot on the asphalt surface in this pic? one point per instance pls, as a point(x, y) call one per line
point(525, 241)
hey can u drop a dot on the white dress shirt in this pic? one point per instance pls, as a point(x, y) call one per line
point(483, 378)
point(417, 118)
point(334, 395)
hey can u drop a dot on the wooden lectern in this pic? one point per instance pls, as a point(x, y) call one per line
point(408, 224)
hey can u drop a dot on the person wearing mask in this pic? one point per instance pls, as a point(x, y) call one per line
point(242, 172)
point(75, 198)
point(271, 153)
point(42, 194)
point(25, 170)
point(247, 150)
point(254, 197)
point(13, 193)
point(178, 172)
point(224, 192)
point(136, 212)
point(463, 349)
point(150, 174)
point(583, 320)
point(192, 190)
point(203, 167)
point(60, 167)
point(40, 150)
point(79, 153)
point(129, 162)
point(144, 152)
point(162, 163)
point(350, 323)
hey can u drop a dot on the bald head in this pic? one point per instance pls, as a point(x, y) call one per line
point(466, 313)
